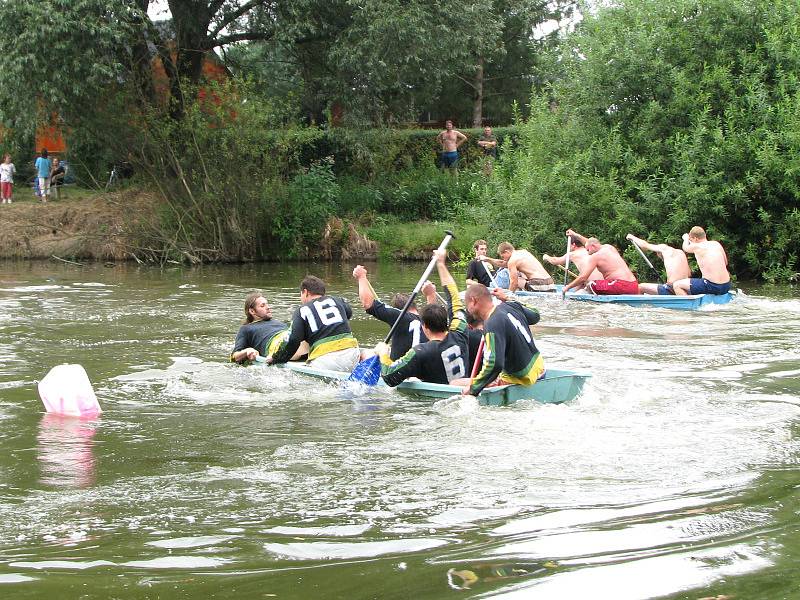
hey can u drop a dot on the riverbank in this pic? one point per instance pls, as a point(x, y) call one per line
point(82, 225)
point(106, 226)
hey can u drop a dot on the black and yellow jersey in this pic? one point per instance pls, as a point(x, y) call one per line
point(508, 347)
point(324, 324)
point(257, 335)
point(408, 333)
point(435, 361)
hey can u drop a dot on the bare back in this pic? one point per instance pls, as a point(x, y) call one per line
point(580, 258)
point(711, 259)
point(526, 263)
point(675, 262)
point(611, 264)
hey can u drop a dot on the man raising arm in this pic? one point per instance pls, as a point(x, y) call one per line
point(409, 333)
point(444, 357)
point(675, 263)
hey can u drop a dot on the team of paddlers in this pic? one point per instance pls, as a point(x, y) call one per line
point(472, 343)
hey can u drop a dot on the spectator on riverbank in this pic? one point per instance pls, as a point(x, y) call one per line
point(7, 172)
point(57, 177)
point(450, 139)
point(488, 143)
point(43, 168)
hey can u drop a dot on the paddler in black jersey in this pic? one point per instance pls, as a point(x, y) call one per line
point(509, 353)
point(409, 333)
point(444, 357)
point(323, 322)
point(260, 334)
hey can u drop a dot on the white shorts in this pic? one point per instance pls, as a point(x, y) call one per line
point(338, 360)
point(44, 185)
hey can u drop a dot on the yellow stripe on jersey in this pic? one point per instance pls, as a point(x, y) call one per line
point(332, 344)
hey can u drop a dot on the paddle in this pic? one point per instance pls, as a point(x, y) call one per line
point(567, 271)
point(489, 273)
point(635, 245)
point(566, 268)
point(368, 371)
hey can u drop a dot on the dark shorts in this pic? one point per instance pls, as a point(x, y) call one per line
point(448, 159)
point(540, 285)
point(704, 286)
point(612, 287)
point(665, 289)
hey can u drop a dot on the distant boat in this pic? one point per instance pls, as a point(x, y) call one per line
point(694, 302)
point(556, 387)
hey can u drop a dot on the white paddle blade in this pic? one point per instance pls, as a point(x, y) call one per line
point(66, 390)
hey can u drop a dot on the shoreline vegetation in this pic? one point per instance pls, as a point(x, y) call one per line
point(648, 118)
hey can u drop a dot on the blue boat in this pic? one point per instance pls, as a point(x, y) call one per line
point(556, 387)
point(695, 302)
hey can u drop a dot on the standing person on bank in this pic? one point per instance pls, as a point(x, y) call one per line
point(44, 167)
point(7, 172)
point(450, 139)
point(57, 177)
point(488, 143)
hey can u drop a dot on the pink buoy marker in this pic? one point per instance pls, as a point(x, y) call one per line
point(66, 390)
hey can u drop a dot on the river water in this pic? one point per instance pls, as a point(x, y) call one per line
point(674, 475)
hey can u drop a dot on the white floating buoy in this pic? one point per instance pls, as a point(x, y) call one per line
point(66, 390)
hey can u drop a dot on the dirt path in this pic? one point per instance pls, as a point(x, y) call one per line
point(94, 227)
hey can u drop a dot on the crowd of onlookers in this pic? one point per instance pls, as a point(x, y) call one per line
point(50, 175)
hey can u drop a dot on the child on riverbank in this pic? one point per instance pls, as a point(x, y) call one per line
point(7, 172)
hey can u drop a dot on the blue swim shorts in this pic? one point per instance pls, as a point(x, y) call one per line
point(665, 289)
point(448, 159)
point(704, 286)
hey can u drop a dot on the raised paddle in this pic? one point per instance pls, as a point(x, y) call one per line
point(566, 268)
point(635, 245)
point(368, 371)
point(489, 273)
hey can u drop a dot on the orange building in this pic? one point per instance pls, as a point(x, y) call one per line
point(51, 135)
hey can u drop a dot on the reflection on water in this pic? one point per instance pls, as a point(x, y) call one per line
point(674, 475)
point(65, 451)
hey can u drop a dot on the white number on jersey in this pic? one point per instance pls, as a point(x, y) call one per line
point(327, 311)
point(523, 329)
point(415, 329)
point(453, 363)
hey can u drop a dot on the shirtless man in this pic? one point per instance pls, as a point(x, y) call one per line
point(578, 256)
point(675, 263)
point(617, 276)
point(450, 139)
point(522, 262)
point(713, 263)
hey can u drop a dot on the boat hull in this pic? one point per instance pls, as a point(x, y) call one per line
point(558, 386)
point(695, 302)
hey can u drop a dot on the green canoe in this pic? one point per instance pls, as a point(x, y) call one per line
point(557, 386)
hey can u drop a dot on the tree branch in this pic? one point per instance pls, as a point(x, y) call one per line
point(230, 18)
point(245, 36)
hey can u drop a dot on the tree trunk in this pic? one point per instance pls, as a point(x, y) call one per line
point(477, 95)
point(191, 21)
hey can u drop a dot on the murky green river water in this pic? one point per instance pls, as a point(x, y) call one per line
point(675, 475)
